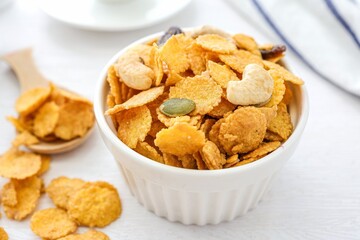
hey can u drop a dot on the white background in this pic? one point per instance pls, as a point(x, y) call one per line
point(317, 195)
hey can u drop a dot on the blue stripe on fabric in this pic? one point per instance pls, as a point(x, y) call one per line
point(336, 13)
point(292, 48)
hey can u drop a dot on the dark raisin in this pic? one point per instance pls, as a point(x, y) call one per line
point(274, 52)
point(171, 31)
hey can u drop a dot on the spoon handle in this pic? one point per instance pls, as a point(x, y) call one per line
point(25, 69)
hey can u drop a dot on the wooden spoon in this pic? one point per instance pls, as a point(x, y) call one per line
point(29, 77)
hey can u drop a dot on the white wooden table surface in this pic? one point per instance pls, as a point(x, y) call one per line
point(317, 195)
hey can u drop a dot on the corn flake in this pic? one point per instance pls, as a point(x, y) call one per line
point(114, 83)
point(215, 43)
point(221, 74)
point(211, 156)
point(174, 55)
point(134, 125)
point(27, 196)
point(278, 91)
point(89, 235)
point(8, 194)
point(243, 130)
point(180, 139)
point(19, 165)
point(62, 188)
point(52, 223)
point(3, 234)
point(246, 42)
point(262, 150)
point(202, 90)
point(95, 205)
point(220, 110)
point(281, 124)
point(25, 138)
point(172, 160)
point(148, 151)
point(46, 119)
point(75, 120)
point(140, 99)
point(285, 74)
point(240, 59)
point(31, 100)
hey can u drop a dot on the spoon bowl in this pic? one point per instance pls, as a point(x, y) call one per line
point(30, 77)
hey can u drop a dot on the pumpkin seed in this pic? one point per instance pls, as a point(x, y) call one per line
point(175, 107)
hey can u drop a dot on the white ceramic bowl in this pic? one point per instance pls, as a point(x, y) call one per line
point(195, 196)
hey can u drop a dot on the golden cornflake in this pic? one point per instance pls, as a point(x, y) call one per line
point(211, 156)
point(246, 42)
point(202, 90)
point(3, 234)
point(281, 124)
point(27, 196)
point(114, 83)
point(25, 138)
point(172, 160)
point(220, 110)
point(270, 136)
point(155, 128)
point(95, 205)
point(196, 56)
point(62, 188)
point(243, 130)
point(75, 120)
point(207, 125)
point(262, 150)
point(199, 161)
point(19, 165)
point(52, 223)
point(240, 59)
point(8, 194)
point(285, 74)
point(31, 100)
point(231, 161)
point(134, 125)
point(148, 151)
point(215, 43)
point(45, 164)
point(180, 139)
point(174, 55)
point(156, 64)
point(278, 91)
point(188, 161)
point(89, 235)
point(288, 93)
point(46, 119)
point(221, 74)
point(140, 99)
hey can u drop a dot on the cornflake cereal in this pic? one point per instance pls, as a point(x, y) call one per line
point(190, 114)
point(18, 164)
point(49, 114)
point(89, 235)
point(95, 205)
point(27, 193)
point(52, 223)
point(62, 188)
point(3, 234)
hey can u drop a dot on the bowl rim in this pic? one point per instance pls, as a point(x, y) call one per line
point(99, 104)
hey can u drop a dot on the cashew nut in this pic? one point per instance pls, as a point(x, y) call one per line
point(256, 87)
point(132, 70)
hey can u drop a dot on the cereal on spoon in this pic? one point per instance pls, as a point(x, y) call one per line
point(203, 99)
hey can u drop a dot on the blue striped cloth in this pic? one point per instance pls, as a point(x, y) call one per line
point(323, 34)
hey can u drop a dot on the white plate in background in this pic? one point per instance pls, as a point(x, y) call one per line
point(112, 15)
